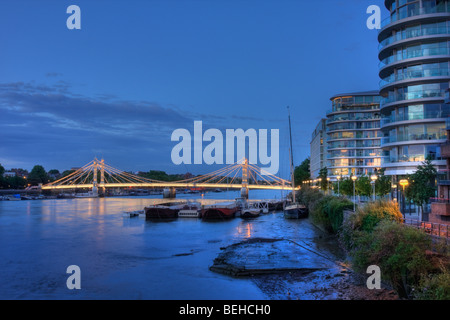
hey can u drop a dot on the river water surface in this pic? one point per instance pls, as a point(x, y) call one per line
point(128, 258)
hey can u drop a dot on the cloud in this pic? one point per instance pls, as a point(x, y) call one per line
point(48, 123)
point(51, 125)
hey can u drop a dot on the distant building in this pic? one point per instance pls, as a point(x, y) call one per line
point(318, 149)
point(353, 134)
point(9, 174)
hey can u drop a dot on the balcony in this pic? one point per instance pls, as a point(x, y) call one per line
point(414, 53)
point(412, 13)
point(411, 75)
point(413, 137)
point(413, 95)
point(414, 33)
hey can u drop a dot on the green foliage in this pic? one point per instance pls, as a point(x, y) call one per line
point(365, 219)
point(346, 187)
point(38, 175)
point(399, 251)
point(15, 182)
point(326, 211)
point(383, 184)
point(301, 172)
point(2, 170)
point(422, 183)
point(374, 236)
point(323, 174)
point(363, 186)
point(374, 212)
point(434, 287)
point(161, 176)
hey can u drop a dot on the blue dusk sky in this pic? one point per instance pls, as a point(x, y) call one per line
point(139, 69)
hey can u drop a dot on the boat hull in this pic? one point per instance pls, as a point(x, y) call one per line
point(160, 212)
point(248, 214)
point(219, 213)
point(295, 212)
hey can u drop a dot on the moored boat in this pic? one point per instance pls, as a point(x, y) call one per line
point(191, 210)
point(295, 211)
point(220, 211)
point(250, 213)
point(162, 211)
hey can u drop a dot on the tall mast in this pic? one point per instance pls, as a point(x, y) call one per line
point(292, 157)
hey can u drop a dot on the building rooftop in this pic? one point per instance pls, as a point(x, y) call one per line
point(356, 94)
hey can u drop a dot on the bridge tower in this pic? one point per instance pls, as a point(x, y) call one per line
point(102, 175)
point(244, 190)
point(94, 180)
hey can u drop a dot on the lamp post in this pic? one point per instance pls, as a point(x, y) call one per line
point(404, 183)
point(354, 192)
point(394, 186)
point(328, 185)
point(374, 179)
point(338, 179)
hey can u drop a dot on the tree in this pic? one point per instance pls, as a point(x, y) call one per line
point(422, 184)
point(345, 187)
point(2, 170)
point(383, 184)
point(38, 175)
point(323, 175)
point(363, 187)
point(302, 173)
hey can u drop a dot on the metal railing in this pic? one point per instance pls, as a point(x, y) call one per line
point(431, 228)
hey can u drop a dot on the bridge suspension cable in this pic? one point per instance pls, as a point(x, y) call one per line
point(238, 175)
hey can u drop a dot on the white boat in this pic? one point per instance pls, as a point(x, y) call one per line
point(191, 210)
point(89, 194)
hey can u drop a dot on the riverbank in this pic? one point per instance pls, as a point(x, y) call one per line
point(288, 270)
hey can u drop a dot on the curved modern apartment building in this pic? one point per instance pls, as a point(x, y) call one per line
point(353, 134)
point(414, 56)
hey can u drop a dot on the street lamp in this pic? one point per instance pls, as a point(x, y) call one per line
point(404, 183)
point(373, 178)
point(354, 192)
point(394, 186)
point(328, 185)
point(338, 179)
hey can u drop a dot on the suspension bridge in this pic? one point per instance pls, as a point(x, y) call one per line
point(97, 176)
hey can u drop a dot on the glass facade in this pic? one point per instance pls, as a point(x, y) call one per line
point(415, 73)
point(353, 134)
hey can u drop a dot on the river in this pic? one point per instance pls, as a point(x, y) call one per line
point(129, 258)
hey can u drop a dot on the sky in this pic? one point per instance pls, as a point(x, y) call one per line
point(139, 69)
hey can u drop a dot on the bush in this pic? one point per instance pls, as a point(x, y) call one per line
point(399, 250)
point(368, 216)
point(365, 219)
point(328, 212)
point(434, 287)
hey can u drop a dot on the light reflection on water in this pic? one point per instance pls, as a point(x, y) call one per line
point(125, 258)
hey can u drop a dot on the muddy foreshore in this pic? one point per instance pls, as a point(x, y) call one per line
point(287, 270)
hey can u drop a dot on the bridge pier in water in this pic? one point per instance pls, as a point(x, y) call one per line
point(169, 193)
point(244, 193)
